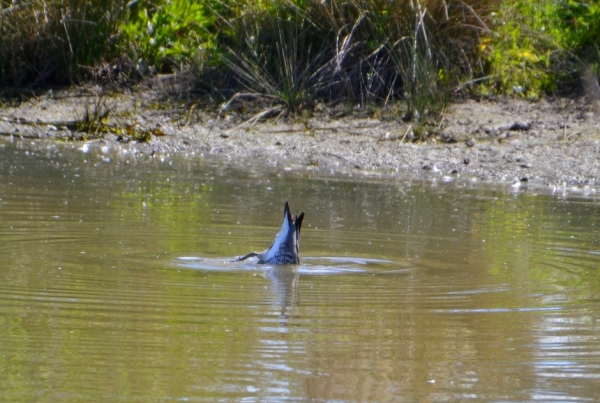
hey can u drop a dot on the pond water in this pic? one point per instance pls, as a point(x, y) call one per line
point(116, 285)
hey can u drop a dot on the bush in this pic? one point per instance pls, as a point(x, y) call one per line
point(166, 34)
point(579, 32)
point(536, 45)
point(368, 51)
point(53, 41)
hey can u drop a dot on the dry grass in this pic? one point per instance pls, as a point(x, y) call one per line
point(363, 51)
point(52, 41)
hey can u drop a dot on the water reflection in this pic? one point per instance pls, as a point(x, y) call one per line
point(285, 285)
point(284, 279)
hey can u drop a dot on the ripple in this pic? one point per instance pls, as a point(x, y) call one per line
point(311, 265)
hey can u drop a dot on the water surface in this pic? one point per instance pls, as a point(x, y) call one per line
point(117, 285)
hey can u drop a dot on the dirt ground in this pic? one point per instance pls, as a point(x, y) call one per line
point(548, 143)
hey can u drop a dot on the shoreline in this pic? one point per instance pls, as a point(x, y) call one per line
point(549, 144)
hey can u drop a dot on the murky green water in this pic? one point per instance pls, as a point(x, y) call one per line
point(116, 286)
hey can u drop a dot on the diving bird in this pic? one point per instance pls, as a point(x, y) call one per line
point(285, 249)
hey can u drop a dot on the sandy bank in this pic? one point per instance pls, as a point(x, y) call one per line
point(554, 144)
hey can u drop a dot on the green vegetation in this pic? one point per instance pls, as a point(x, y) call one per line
point(535, 46)
point(169, 33)
point(56, 41)
point(288, 55)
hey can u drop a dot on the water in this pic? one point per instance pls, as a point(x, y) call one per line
point(116, 285)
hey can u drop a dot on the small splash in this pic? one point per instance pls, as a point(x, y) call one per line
point(200, 263)
point(349, 259)
point(315, 266)
point(329, 270)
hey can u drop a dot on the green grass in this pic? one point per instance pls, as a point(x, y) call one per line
point(289, 55)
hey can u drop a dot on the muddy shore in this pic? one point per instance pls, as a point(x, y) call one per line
point(553, 144)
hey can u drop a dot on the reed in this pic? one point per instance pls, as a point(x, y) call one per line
point(298, 52)
point(53, 41)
